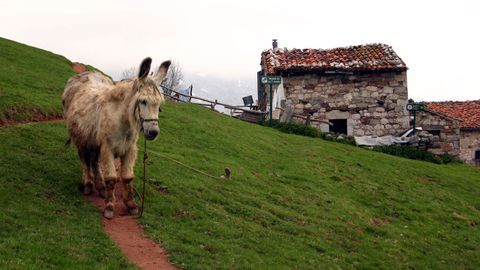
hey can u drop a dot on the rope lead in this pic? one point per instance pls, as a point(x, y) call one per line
point(145, 157)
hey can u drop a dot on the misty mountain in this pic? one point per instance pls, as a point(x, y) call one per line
point(226, 90)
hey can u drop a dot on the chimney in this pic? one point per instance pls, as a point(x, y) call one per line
point(274, 44)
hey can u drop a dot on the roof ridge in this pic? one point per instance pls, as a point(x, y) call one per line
point(367, 57)
point(446, 101)
point(467, 112)
point(329, 49)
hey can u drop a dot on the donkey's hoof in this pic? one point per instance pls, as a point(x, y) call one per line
point(133, 211)
point(101, 193)
point(108, 213)
point(87, 189)
point(131, 206)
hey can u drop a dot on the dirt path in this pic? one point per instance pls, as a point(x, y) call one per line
point(129, 237)
point(123, 229)
point(39, 119)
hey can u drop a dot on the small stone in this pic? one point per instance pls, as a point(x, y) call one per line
point(388, 90)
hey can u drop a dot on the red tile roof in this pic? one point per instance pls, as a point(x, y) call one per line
point(371, 57)
point(467, 112)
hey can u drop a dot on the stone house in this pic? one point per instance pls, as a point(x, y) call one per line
point(360, 90)
point(458, 125)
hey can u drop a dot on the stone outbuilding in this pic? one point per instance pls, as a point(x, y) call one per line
point(458, 125)
point(360, 90)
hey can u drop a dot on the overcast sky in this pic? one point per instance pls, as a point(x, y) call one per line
point(438, 40)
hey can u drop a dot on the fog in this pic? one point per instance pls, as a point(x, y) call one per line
point(221, 41)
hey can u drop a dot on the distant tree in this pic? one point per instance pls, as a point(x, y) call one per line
point(174, 78)
point(130, 73)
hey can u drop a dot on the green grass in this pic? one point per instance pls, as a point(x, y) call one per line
point(31, 82)
point(293, 202)
point(298, 202)
point(45, 223)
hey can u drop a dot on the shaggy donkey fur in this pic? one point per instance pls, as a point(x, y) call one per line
point(104, 119)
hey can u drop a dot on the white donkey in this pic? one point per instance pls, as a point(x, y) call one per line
point(104, 119)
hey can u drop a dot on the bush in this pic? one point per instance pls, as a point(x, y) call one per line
point(338, 137)
point(446, 158)
point(294, 128)
point(304, 130)
point(394, 150)
point(415, 153)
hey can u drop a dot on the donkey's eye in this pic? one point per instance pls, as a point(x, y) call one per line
point(159, 109)
point(144, 102)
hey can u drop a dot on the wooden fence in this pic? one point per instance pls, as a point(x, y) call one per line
point(235, 110)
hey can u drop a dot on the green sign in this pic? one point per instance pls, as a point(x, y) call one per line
point(271, 79)
point(415, 107)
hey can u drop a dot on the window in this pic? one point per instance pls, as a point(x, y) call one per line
point(339, 126)
point(477, 154)
point(434, 132)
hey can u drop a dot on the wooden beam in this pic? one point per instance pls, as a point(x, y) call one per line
point(214, 103)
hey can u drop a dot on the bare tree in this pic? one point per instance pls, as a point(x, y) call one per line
point(130, 73)
point(171, 82)
point(173, 79)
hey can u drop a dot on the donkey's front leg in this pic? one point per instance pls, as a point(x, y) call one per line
point(109, 175)
point(128, 161)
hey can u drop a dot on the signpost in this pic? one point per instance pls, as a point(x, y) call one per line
point(414, 107)
point(271, 80)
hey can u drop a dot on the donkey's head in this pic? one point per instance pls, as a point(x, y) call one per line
point(149, 97)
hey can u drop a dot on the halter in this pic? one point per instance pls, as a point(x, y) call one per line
point(142, 120)
point(137, 108)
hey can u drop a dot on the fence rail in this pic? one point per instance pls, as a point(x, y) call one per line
point(235, 108)
point(210, 103)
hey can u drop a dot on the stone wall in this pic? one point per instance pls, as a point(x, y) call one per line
point(469, 143)
point(448, 128)
point(372, 103)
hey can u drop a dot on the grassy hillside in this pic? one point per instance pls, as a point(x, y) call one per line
point(297, 202)
point(44, 222)
point(31, 82)
point(293, 202)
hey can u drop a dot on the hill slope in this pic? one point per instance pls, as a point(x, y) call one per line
point(31, 82)
point(44, 224)
point(297, 202)
point(293, 202)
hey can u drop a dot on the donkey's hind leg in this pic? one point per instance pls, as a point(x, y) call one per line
point(87, 183)
point(96, 173)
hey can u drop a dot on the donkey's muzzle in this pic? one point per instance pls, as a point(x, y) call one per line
point(152, 134)
point(150, 129)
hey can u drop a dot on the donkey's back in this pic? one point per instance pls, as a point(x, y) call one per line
point(86, 85)
point(82, 103)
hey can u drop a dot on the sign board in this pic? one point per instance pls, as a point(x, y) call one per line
point(248, 100)
point(415, 107)
point(271, 79)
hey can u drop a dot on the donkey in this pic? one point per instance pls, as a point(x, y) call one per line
point(104, 119)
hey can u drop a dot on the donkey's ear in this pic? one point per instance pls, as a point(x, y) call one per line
point(145, 68)
point(162, 71)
